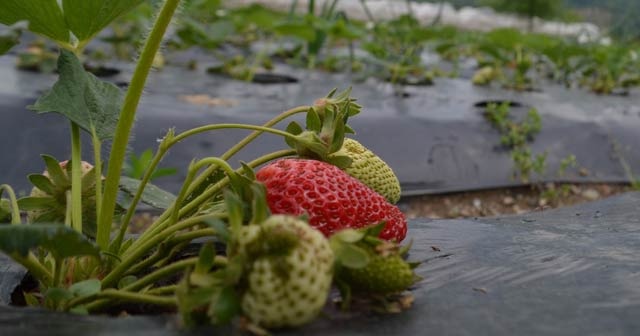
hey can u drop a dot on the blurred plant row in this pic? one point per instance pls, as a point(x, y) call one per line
point(253, 39)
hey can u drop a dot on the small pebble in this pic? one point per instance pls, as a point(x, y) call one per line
point(508, 200)
point(591, 194)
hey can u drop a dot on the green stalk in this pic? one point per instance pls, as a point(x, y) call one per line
point(163, 222)
point(127, 117)
point(95, 300)
point(212, 127)
point(97, 161)
point(15, 210)
point(124, 224)
point(69, 206)
point(244, 142)
point(57, 273)
point(190, 175)
point(160, 274)
point(76, 178)
point(34, 266)
point(134, 254)
point(170, 289)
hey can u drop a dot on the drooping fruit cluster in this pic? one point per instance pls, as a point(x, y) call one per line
point(371, 170)
point(331, 198)
point(289, 273)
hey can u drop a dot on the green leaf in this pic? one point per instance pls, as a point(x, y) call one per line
point(300, 30)
point(85, 288)
point(31, 300)
point(313, 121)
point(151, 195)
point(5, 211)
point(206, 258)
point(349, 235)
point(83, 98)
point(61, 241)
point(352, 256)
point(58, 176)
point(8, 39)
point(37, 203)
point(85, 18)
point(295, 129)
point(44, 16)
point(222, 231)
point(54, 297)
point(42, 182)
point(224, 306)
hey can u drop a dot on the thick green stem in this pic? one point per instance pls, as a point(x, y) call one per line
point(76, 178)
point(170, 289)
point(57, 273)
point(13, 201)
point(161, 273)
point(135, 253)
point(97, 161)
point(121, 296)
point(190, 175)
point(191, 235)
point(34, 266)
point(68, 210)
point(162, 252)
point(127, 117)
point(163, 222)
point(124, 224)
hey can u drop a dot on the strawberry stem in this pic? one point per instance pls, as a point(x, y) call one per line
point(244, 142)
point(76, 178)
point(13, 200)
point(136, 253)
point(190, 175)
point(97, 166)
point(127, 117)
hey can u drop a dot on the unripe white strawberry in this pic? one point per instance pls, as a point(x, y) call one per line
point(290, 272)
point(371, 170)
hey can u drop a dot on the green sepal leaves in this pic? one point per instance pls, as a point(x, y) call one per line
point(92, 104)
point(346, 252)
point(326, 126)
point(61, 241)
point(42, 182)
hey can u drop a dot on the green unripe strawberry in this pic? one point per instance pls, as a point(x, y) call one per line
point(382, 275)
point(371, 170)
point(290, 270)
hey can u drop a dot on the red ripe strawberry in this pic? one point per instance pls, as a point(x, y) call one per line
point(332, 199)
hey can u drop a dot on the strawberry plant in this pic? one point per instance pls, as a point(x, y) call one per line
point(277, 269)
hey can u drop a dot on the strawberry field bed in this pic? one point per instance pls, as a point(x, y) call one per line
point(292, 155)
point(575, 270)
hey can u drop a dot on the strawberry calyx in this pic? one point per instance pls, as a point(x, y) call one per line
point(370, 267)
point(47, 202)
point(326, 126)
